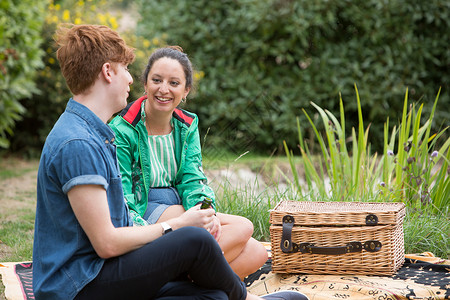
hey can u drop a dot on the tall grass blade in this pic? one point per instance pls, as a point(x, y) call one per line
point(290, 157)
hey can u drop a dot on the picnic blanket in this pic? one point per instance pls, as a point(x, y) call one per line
point(421, 277)
point(415, 280)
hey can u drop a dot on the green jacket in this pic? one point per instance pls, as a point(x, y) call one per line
point(134, 162)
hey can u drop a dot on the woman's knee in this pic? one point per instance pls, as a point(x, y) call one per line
point(238, 224)
point(247, 225)
point(259, 251)
point(246, 228)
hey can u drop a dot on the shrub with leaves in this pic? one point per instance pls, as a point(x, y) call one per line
point(20, 57)
point(266, 60)
point(43, 109)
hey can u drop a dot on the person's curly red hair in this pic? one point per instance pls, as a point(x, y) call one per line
point(82, 51)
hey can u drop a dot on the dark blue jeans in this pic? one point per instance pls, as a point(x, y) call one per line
point(159, 270)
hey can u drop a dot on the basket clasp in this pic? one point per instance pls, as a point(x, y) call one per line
point(286, 244)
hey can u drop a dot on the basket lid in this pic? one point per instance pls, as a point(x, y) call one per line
point(338, 213)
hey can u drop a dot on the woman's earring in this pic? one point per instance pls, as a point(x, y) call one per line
point(183, 100)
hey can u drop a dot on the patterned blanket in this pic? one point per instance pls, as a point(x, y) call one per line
point(415, 280)
point(421, 277)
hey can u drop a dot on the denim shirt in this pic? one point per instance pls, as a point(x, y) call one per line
point(79, 150)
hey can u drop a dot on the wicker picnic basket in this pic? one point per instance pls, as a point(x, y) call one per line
point(337, 237)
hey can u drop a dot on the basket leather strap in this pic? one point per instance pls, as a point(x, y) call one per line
point(286, 238)
point(350, 247)
point(370, 246)
point(287, 246)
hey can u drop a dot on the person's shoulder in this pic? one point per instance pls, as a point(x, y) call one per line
point(70, 135)
point(131, 114)
point(117, 121)
point(69, 126)
point(185, 117)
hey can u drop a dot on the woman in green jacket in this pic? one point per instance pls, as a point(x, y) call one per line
point(159, 152)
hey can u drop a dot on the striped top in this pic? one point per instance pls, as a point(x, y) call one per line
point(162, 160)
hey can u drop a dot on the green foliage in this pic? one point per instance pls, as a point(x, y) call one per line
point(245, 201)
point(417, 175)
point(342, 174)
point(43, 109)
point(265, 60)
point(20, 57)
point(413, 169)
point(427, 232)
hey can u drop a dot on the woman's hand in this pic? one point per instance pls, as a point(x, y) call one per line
point(216, 230)
point(197, 217)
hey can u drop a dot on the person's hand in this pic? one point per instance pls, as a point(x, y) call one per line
point(197, 217)
point(216, 230)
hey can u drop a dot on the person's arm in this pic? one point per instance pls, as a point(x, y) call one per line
point(90, 206)
point(193, 187)
point(126, 157)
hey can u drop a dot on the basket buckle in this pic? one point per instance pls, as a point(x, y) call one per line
point(372, 246)
point(286, 244)
point(372, 220)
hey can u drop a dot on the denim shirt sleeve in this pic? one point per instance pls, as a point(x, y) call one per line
point(79, 162)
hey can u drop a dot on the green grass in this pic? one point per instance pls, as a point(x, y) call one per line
point(412, 169)
point(17, 209)
point(18, 234)
point(247, 202)
point(423, 231)
point(11, 173)
point(427, 232)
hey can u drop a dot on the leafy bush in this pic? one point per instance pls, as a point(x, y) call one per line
point(20, 56)
point(43, 109)
point(265, 60)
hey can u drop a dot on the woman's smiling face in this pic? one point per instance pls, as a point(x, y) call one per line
point(166, 85)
